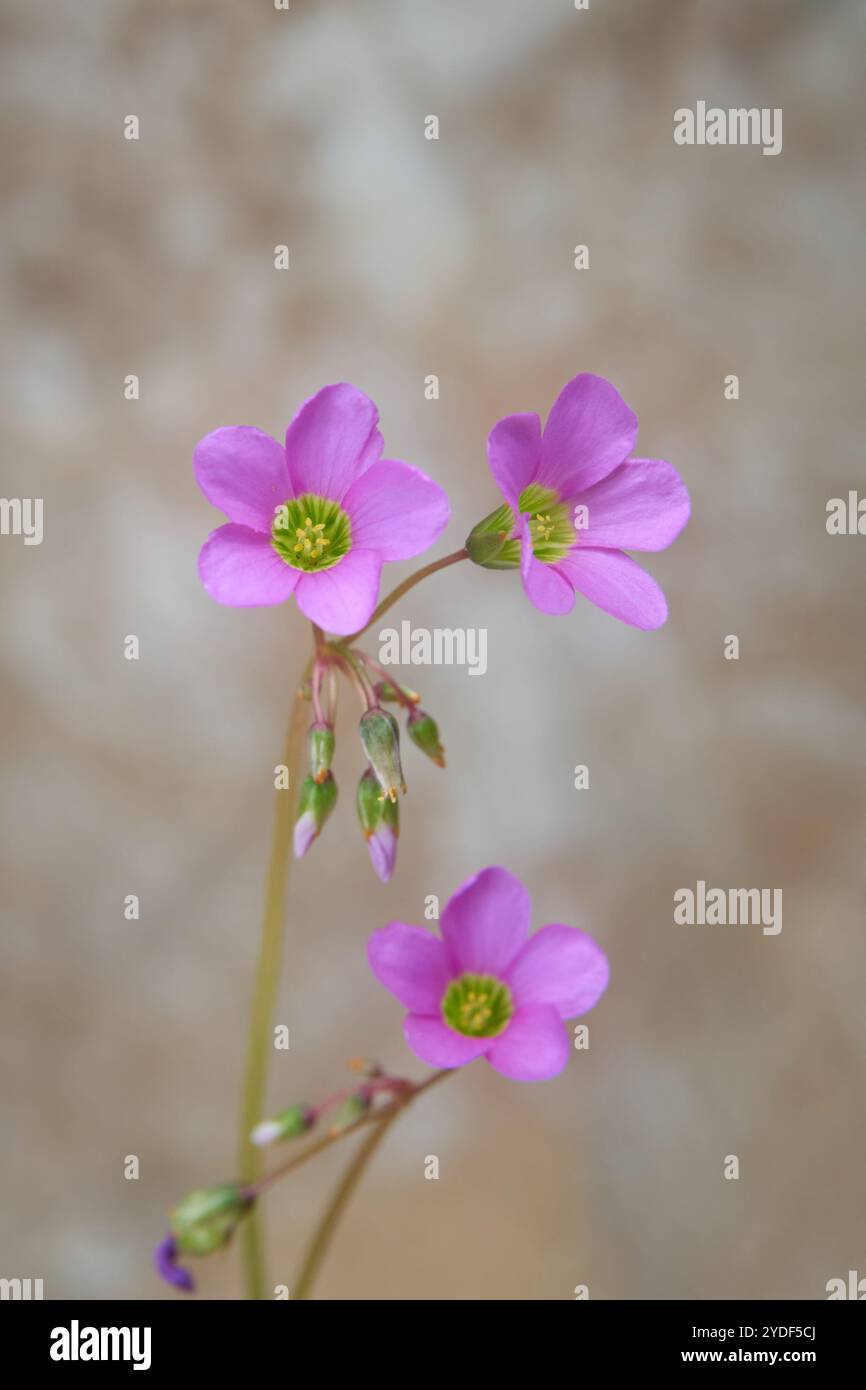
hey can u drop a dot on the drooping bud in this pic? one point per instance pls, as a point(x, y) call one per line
point(490, 543)
point(288, 1124)
point(349, 1112)
point(380, 822)
point(320, 747)
point(424, 733)
point(205, 1220)
point(381, 739)
point(386, 692)
point(317, 801)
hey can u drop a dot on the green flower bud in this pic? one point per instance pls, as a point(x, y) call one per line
point(205, 1220)
point(320, 747)
point(380, 822)
point(381, 739)
point(489, 542)
point(288, 1124)
point(349, 1112)
point(317, 801)
point(388, 693)
point(424, 733)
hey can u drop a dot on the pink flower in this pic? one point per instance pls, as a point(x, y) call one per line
point(484, 990)
point(316, 519)
point(577, 502)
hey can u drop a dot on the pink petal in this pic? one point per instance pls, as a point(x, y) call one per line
point(549, 590)
point(243, 471)
point(486, 922)
point(514, 452)
point(396, 510)
point(382, 849)
point(590, 431)
point(613, 582)
point(240, 567)
point(642, 505)
point(342, 598)
point(560, 966)
point(411, 963)
point(534, 1046)
point(438, 1045)
point(332, 441)
point(304, 833)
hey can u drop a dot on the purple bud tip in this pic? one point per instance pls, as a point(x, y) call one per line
point(305, 834)
point(165, 1261)
point(265, 1133)
point(382, 848)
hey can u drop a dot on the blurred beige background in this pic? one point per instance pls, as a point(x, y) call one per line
point(454, 257)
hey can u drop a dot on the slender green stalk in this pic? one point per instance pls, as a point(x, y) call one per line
point(268, 977)
point(324, 1232)
point(264, 994)
point(390, 599)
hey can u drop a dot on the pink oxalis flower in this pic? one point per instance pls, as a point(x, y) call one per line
point(485, 990)
point(317, 518)
point(576, 501)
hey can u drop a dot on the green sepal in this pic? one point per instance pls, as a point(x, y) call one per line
point(317, 798)
point(489, 545)
point(205, 1220)
point(424, 733)
point(380, 737)
point(349, 1112)
point(320, 748)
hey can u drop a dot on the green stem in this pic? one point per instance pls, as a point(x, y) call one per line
point(324, 1232)
point(264, 995)
point(390, 599)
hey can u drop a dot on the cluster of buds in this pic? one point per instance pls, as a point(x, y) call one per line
point(382, 779)
point(343, 1109)
point(205, 1220)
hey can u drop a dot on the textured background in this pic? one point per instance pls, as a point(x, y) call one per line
point(412, 257)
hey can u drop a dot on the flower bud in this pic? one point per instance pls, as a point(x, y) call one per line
point(386, 692)
point(317, 801)
point(349, 1112)
point(205, 1220)
point(424, 733)
point(381, 739)
point(320, 747)
point(490, 543)
point(288, 1124)
point(380, 822)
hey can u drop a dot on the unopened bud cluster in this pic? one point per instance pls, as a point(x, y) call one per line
point(382, 780)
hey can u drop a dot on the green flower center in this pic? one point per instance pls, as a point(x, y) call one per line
point(479, 1006)
point(311, 533)
point(551, 524)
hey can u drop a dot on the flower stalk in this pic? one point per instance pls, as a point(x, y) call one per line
point(267, 980)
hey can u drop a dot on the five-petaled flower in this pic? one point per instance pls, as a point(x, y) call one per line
point(485, 989)
point(317, 518)
point(576, 501)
